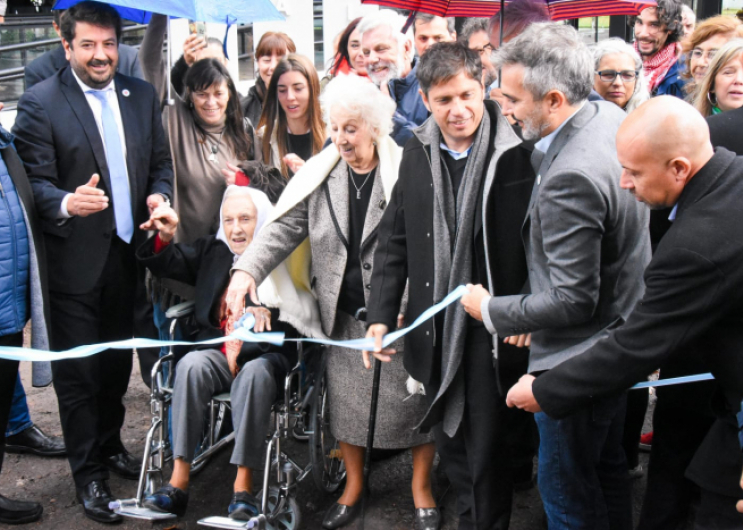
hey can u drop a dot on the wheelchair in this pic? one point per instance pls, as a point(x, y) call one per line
point(301, 412)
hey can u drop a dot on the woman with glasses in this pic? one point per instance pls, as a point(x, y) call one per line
point(619, 76)
point(721, 89)
point(701, 47)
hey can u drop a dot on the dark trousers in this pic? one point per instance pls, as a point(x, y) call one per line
point(677, 434)
point(583, 477)
point(90, 390)
point(8, 373)
point(477, 459)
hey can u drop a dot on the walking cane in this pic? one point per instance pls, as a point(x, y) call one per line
point(370, 437)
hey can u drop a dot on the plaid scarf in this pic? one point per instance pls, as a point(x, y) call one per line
point(657, 66)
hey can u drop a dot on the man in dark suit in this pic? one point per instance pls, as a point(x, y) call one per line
point(586, 247)
point(23, 285)
point(693, 297)
point(95, 152)
point(51, 62)
point(454, 217)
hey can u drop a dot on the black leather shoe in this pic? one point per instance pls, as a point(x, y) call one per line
point(35, 441)
point(427, 519)
point(124, 464)
point(340, 515)
point(95, 498)
point(19, 512)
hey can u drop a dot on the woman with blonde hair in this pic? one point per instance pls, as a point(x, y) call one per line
point(721, 88)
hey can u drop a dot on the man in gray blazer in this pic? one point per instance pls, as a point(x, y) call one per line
point(51, 62)
point(586, 248)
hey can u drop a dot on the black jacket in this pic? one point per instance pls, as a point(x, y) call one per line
point(413, 195)
point(693, 302)
point(61, 147)
point(206, 265)
point(726, 130)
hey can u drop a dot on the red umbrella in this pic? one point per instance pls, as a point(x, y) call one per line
point(559, 9)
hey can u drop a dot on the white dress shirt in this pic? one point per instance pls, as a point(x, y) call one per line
point(97, 108)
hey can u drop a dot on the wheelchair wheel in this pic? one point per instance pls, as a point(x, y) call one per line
point(328, 468)
point(287, 517)
point(220, 419)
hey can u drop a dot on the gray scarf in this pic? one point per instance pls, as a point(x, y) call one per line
point(453, 261)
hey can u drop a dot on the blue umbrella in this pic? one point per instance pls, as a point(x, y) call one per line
point(220, 11)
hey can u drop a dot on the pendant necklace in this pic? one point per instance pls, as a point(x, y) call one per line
point(353, 181)
point(214, 148)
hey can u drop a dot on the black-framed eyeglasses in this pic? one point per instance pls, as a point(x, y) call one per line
point(608, 76)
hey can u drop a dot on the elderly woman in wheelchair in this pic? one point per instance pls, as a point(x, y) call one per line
point(250, 372)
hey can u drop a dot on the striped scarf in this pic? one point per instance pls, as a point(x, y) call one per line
point(657, 66)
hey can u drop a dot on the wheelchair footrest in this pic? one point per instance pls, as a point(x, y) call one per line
point(257, 523)
point(129, 508)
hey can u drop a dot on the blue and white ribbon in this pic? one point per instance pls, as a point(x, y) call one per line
point(244, 333)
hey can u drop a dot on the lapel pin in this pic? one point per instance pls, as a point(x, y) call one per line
point(539, 179)
point(125, 93)
point(382, 204)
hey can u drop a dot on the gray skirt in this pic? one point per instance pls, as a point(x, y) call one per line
point(349, 392)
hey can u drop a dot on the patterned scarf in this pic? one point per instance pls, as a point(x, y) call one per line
point(657, 66)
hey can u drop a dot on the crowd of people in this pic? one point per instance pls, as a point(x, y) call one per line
point(586, 195)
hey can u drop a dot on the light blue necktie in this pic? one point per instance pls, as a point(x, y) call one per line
point(116, 170)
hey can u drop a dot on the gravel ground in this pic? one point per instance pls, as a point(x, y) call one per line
point(48, 480)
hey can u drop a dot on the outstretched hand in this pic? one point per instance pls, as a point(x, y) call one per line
point(241, 284)
point(165, 220)
point(377, 332)
point(473, 300)
point(87, 199)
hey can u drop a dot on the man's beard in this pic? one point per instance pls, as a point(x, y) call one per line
point(533, 126)
point(393, 71)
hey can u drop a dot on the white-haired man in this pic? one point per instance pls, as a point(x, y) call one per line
point(388, 55)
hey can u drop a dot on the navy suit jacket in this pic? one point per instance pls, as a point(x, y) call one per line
point(61, 147)
point(51, 62)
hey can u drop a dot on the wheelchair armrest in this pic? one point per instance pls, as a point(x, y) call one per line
point(180, 310)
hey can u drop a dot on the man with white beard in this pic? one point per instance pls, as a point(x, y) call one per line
point(388, 55)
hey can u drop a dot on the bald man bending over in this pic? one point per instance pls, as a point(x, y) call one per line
point(693, 294)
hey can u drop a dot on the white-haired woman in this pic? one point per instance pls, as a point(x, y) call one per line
point(619, 76)
point(336, 201)
point(250, 372)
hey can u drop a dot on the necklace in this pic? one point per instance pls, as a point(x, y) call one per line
point(353, 180)
point(214, 148)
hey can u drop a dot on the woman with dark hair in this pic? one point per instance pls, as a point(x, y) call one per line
point(291, 129)
point(206, 129)
point(207, 134)
point(349, 58)
point(272, 47)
